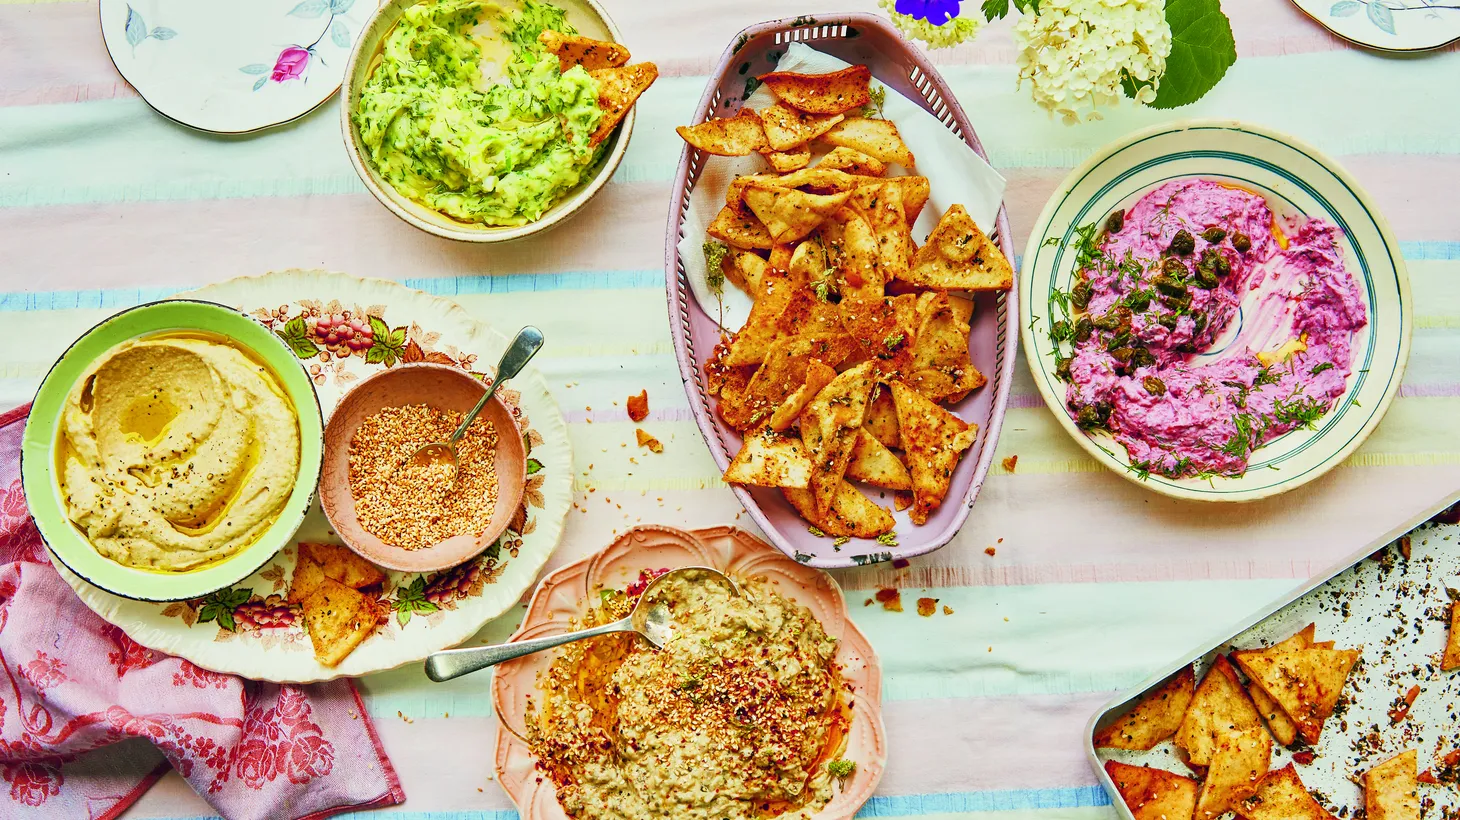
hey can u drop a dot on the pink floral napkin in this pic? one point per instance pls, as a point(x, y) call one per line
point(89, 719)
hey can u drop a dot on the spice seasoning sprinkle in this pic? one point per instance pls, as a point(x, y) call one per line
point(414, 505)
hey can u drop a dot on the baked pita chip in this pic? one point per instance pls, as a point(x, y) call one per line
point(338, 618)
point(1305, 683)
point(737, 227)
point(874, 464)
point(1239, 761)
point(745, 270)
point(829, 427)
point(308, 575)
point(787, 161)
point(780, 257)
point(958, 256)
point(941, 368)
point(852, 161)
point(934, 440)
point(618, 89)
point(1219, 704)
point(818, 376)
point(851, 514)
point(736, 136)
point(780, 375)
point(787, 128)
point(834, 93)
point(875, 138)
point(808, 313)
point(814, 180)
point(1451, 658)
point(770, 460)
point(752, 341)
point(881, 419)
point(1281, 795)
point(813, 266)
point(1153, 719)
point(790, 214)
point(1153, 794)
point(1391, 789)
point(319, 561)
point(575, 49)
point(1282, 727)
point(859, 276)
point(915, 193)
point(881, 206)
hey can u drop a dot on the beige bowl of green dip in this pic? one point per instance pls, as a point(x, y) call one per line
point(418, 142)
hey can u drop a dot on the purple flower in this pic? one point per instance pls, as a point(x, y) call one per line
point(936, 12)
point(291, 64)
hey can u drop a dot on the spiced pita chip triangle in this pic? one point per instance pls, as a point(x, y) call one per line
point(1391, 788)
point(941, 368)
point(574, 49)
point(787, 128)
point(618, 89)
point(829, 427)
point(1153, 719)
point(851, 513)
point(1451, 658)
point(1239, 761)
point(1153, 794)
point(881, 206)
point(1281, 795)
point(754, 339)
point(768, 459)
point(934, 440)
point(781, 373)
point(853, 162)
point(1219, 704)
point(881, 419)
point(1282, 727)
point(790, 214)
point(874, 464)
point(835, 93)
point(876, 138)
point(738, 227)
point(1305, 683)
point(958, 256)
point(319, 561)
point(818, 376)
point(787, 161)
point(338, 618)
point(736, 136)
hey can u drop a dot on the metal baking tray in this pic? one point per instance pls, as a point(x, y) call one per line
point(1396, 610)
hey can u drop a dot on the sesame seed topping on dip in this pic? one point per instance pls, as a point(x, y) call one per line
point(1203, 327)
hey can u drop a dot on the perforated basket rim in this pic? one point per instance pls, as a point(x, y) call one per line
point(804, 29)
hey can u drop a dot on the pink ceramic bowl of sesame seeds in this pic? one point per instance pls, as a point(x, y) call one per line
point(394, 517)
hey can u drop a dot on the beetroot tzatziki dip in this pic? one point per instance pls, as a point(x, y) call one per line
point(1151, 321)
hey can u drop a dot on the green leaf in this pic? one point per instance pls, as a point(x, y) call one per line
point(398, 338)
point(1202, 49)
point(526, 444)
point(378, 354)
point(238, 597)
point(533, 466)
point(424, 606)
point(378, 328)
point(296, 335)
point(995, 9)
point(403, 616)
point(225, 620)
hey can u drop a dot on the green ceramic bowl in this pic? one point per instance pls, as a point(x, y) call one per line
point(38, 450)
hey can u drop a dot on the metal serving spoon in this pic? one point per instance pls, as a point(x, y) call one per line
point(519, 353)
point(649, 619)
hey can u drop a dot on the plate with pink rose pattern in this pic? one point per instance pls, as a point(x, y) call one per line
point(233, 66)
point(343, 329)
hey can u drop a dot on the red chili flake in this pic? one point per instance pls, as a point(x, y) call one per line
point(1010, 463)
point(1398, 712)
point(901, 563)
point(927, 606)
point(639, 406)
point(1452, 759)
point(1304, 757)
point(646, 577)
point(990, 551)
point(1405, 546)
point(1428, 776)
point(891, 599)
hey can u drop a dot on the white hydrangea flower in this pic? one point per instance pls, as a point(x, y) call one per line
point(956, 30)
point(1075, 52)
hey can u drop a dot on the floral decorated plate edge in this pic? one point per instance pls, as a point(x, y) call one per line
point(442, 608)
point(559, 597)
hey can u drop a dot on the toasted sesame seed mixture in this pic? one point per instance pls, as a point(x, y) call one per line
point(739, 716)
point(412, 505)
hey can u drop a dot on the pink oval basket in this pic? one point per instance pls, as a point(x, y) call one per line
point(869, 40)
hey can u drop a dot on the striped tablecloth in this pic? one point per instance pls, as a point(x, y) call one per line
point(1094, 583)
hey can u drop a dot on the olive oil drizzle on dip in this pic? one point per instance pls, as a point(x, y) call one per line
point(1158, 285)
point(479, 151)
point(742, 715)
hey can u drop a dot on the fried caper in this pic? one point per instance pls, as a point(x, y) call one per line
point(1183, 243)
point(1174, 268)
point(1062, 367)
point(1080, 294)
point(1241, 242)
point(1214, 235)
point(1139, 301)
point(1154, 386)
point(1116, 221)
point(1084, 329)
point(1169, 286)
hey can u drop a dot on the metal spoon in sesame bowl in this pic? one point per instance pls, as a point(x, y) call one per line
point(526, 344)
point(650, 619)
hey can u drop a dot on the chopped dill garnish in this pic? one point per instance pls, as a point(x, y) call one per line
point(878, 94)
point(715, 254)
point(1320, 367)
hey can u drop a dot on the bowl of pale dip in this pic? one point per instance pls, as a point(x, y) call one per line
point(460, 121)
point(172, 450)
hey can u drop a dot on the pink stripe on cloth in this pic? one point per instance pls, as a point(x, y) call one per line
point(63, 58)
point(89, 718)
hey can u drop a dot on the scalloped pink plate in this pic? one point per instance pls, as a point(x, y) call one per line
point(565, 594)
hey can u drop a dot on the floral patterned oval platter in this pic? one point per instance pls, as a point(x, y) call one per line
point(232, 67)
point(1388, 25)
point(345, 328)
point(559, 602)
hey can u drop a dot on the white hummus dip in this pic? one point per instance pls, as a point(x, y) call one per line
point(176, 452)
